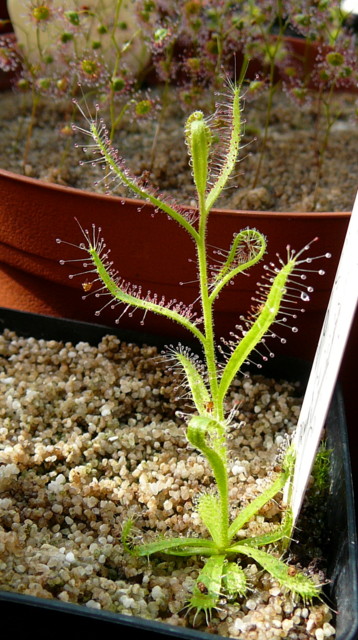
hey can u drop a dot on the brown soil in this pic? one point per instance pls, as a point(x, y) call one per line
point(288, 178)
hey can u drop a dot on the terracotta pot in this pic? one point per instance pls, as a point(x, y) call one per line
point(147, 249)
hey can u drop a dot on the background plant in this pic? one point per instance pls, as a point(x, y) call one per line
point(209, 380)
point(311, 73)
point(70, 44)
point(326, 26)
point(191, 43)
point(194, 41)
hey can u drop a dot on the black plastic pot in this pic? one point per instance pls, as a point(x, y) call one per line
point(21, 613)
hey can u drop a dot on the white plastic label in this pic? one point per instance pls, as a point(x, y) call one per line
point(327, 361)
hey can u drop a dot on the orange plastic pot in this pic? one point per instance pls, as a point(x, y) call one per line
point(149, 249)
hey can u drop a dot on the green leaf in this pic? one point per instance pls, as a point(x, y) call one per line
point(130, 181)
point(234, 579)
point(280, 532)
point(118, 292)
point(297, 583)
point(265, 318)
point(172, 545)
point(247, 248)
point(207, 589)
point(126, 534)
point(234, 113)
point(253, 507)
point(208, 435)
point(209, 510)
point(199, 392)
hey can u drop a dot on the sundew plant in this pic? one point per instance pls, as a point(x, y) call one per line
point(283, 288)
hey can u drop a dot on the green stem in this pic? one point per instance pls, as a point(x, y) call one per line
point(322, 148)
point(267, 123)
point(38, 42)
point(200, 430)
point(35, 102)
point(206, 304)
point(272, 87)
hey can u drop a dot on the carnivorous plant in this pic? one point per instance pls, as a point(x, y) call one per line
point(283, 287)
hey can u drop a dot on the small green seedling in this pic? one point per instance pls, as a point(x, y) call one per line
point(320, 470)
point(209, 382)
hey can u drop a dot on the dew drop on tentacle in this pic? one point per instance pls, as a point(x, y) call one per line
point(305, 297)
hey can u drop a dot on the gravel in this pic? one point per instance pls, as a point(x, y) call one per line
point(90, 436)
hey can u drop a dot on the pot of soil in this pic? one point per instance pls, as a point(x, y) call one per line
point(275, 192)
point(91, 435)
point(34, 212)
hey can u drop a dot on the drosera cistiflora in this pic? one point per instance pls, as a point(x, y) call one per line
point(281, 296)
